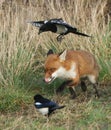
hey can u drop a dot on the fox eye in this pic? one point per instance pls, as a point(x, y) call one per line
point(53, 69)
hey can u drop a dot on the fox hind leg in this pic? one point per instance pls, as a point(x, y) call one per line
point(96, 91)
point(92, 79)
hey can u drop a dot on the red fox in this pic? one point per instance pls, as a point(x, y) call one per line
point(72, 66)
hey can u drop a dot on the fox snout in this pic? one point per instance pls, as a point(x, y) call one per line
point(49, 79)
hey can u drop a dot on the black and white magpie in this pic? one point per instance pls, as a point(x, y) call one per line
point(56, 26)
point(44, 105)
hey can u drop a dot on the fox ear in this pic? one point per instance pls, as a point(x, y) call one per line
point(62, 55)
point(50, 52)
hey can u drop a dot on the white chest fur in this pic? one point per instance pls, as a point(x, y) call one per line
point(63, 73)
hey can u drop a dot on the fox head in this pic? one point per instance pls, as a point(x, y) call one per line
point(54, 65)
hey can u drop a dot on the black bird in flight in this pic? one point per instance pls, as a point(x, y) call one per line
point(57, 26)
point(44, 105)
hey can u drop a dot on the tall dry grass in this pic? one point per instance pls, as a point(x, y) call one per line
point(22, 55)
point(22, 51)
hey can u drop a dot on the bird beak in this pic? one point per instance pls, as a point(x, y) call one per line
point(39, 32)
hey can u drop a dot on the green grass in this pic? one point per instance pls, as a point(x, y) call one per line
point(14, 99)
point(84, 112)
point(81, 113)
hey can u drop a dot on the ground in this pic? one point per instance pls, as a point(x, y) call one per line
point(84, 112)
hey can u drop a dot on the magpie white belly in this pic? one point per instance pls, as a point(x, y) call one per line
point(61, 29)
point(44, 111)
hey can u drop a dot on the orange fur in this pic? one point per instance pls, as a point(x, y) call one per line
point(84, 61)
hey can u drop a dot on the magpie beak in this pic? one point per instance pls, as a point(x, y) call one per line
point(40, 31)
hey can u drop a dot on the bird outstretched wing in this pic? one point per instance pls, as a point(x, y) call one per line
point(38, 23)
point(59, 20)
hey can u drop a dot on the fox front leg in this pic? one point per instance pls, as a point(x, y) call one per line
point(71, 89)
point(62, 86)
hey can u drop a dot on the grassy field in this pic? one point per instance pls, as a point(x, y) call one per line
point(84, 113)
point(22, 55)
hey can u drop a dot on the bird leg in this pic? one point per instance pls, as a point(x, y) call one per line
point(60, 37)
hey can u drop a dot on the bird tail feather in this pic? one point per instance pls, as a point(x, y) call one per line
point(82, 34)
point(58, 107)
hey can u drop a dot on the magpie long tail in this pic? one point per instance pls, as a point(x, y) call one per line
point(58, 107)
point(82, 34)
point(54, 108)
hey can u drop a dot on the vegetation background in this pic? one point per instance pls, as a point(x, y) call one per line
point(22, 55)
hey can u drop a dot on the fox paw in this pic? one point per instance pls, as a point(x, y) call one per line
point(72, 96)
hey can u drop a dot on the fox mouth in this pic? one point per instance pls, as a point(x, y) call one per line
point(49, 80)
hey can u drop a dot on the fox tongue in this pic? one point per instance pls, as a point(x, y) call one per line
point(47, 80)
